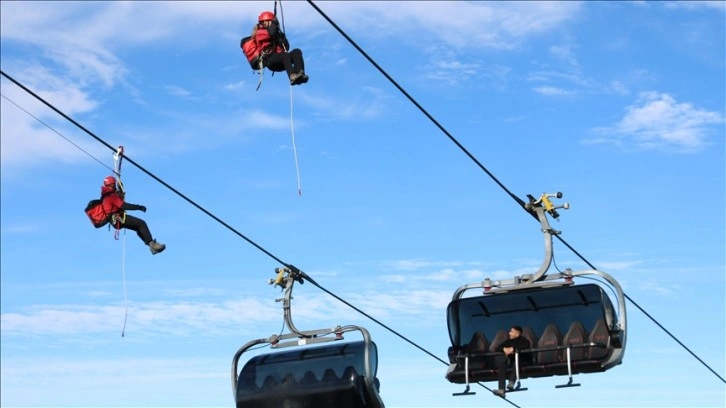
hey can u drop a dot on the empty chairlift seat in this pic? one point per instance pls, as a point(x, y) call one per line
point(473, 355)
point(575, 339)
point(600, 335)
point(309, 378)
point(333, 375)
point(548, 344)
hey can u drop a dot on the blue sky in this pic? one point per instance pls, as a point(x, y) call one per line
point(619, 105)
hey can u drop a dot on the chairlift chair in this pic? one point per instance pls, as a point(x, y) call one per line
point(572, 328)
point(309, 374)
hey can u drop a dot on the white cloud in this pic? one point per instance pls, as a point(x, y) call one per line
point(501, 25)
point(89, 40)
point(21, 228)
point(411, 265)
point(560, 83)
point(25, 139)
point(258, 119)
point(236, 86)
point(619, 88)
point(373, 104)
point(658, 288)
point(617, 266)
point(178, 91)
point(181, 318)
point(694, 4)
point(451, 71)
point(553, 91)
point(566, 54)
point(658, 121)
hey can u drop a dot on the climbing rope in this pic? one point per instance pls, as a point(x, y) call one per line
point(294, 147)
point(123, 279)
point(118, 157)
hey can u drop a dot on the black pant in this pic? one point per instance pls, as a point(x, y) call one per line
point(292, 61)
point(138, 225)
point(502, 362)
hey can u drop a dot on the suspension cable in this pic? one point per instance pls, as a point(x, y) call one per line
point(517, 199)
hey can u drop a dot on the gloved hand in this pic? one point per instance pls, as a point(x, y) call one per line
point(142, 208)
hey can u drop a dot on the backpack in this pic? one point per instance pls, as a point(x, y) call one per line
point(251, 51)
point(96, 213)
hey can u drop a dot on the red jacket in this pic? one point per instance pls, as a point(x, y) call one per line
point(264, 39)
point(112, 203)
point(262, 42)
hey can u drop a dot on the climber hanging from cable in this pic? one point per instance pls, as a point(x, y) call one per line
point(111, 208)
point(267, 46)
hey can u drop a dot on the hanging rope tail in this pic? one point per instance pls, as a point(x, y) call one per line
point(260, 69)
point(123, 278)
point(294, 147)
point(292, 122)
point(118, 158)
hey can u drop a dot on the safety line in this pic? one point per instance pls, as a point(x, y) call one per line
point(55, 131)
point(517, 199)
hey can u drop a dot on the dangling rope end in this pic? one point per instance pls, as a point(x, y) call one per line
point(294, 147)
point(123, 278)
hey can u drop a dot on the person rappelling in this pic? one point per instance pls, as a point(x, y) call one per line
point(267, 46)
point(111, 208)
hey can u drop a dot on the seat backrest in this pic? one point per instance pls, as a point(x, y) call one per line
point(269, 383)
point(308, 378)
point(478, 343)
point(601, 335)
point(528, 333)
point(499, 338)
point(575, 335)
point(329, 376)
point(349, 374)
point(288, 382)
point(550, 337)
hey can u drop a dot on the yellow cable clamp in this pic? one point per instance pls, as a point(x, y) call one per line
point(280, 274)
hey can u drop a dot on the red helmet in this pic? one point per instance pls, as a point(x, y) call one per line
point(109, 181)
point(266, 16)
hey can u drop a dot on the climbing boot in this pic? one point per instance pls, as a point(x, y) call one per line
point(303, 78)
point(156, 247)
point(295, 78)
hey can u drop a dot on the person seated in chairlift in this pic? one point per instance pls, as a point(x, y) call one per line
point(515, 343)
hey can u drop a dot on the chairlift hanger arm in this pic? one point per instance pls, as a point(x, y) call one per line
point(541, 207)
